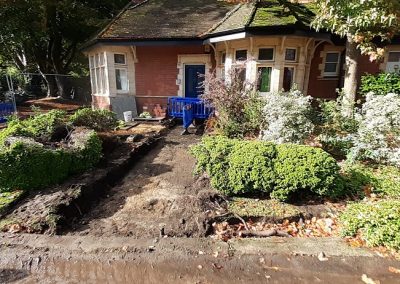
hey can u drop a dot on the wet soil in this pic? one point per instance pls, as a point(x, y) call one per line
point(44, 259)
point(159, 196)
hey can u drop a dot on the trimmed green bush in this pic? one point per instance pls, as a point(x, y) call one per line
point(97, 119)
point(30, 166)
point(243, 167)
point(250, 167)
point(381, 84)
point(41, 126)
point(299, 167)
point(377, 222)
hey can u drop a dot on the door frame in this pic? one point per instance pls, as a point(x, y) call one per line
point(191, 59)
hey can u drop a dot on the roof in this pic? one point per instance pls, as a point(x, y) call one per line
point(161, 19)
point(199, 19)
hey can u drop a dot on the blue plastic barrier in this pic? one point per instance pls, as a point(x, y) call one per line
point(6, 109)
point(188, 109)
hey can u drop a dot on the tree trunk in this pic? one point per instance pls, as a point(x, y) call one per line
point(64, 87)
point(351, 76)
point(51, 85)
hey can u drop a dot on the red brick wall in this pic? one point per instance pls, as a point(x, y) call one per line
point(156, 73)
point(101, 102)
point(326, 88)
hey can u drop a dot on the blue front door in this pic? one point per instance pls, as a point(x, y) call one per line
point(194, 78)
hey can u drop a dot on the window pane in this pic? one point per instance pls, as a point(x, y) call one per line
point(103, 80)
point(98, 86)
point(93, 81)
point(288, 77)
point(223, 58)
point(266, 54)
point(101, 59)
point(97, 63)
point(264, 81)
point(241, 55)
point(332, 57)
point(119, 58)
point(330, 67)
point(121, 79)
point(91, 62)
point(290, 54)
point(394, 56)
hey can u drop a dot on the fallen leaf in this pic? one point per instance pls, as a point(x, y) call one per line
point(394, 270)
point(368, 280)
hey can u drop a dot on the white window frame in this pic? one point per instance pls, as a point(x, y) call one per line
point(296, 55)
point(98, 73)
point(266, 47)
point(391, 64)
point(336, 73)
point(123, 67)
point(271, 79)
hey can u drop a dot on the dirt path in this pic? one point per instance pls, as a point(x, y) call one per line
point(88, 259)
point(158, 196)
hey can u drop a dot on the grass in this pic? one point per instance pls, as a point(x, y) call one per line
point(248, 207)
point(7, 198)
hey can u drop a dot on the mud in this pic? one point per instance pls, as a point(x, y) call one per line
point(42, 259)
point(159, 196)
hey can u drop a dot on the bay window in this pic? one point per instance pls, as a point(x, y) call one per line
point(97, 64)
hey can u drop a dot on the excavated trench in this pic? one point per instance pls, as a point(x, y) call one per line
point(159, 196)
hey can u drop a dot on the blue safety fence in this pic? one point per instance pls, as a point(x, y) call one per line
point(6, 109)
point(188, 109)
point(200, 110)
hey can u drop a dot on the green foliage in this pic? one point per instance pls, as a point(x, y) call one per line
point(32, 166)
point(363, 21)
point(41, 126)
point(243, 167)
point(299, 167)
point(377, 222)
point(381, 84)
point(97, 119)
point(381, 180)
point(336, 129)
point(251, 167)
point(238, 107)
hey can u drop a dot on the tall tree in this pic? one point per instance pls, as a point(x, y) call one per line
point(363, 23)
point(44, 35)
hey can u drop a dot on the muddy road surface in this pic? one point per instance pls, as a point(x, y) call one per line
point(158, 196)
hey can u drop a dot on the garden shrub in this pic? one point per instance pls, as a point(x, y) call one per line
point(238, 106)
point(378, 136)
point(244, 167)
point(287, 117)
point(381, 180)
point(378, 222)
point(29, 166)
point(40, 126)
point(251, 168)
point(336, 130)
point(380, 84)
point(212, 157)
point(97, 119)
point(299, 167)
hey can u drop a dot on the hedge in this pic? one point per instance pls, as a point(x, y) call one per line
point(96, 119)
point(380, 84)
point(41, 126)
point(378, 223)
point(31, 166)
point(243, 167)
